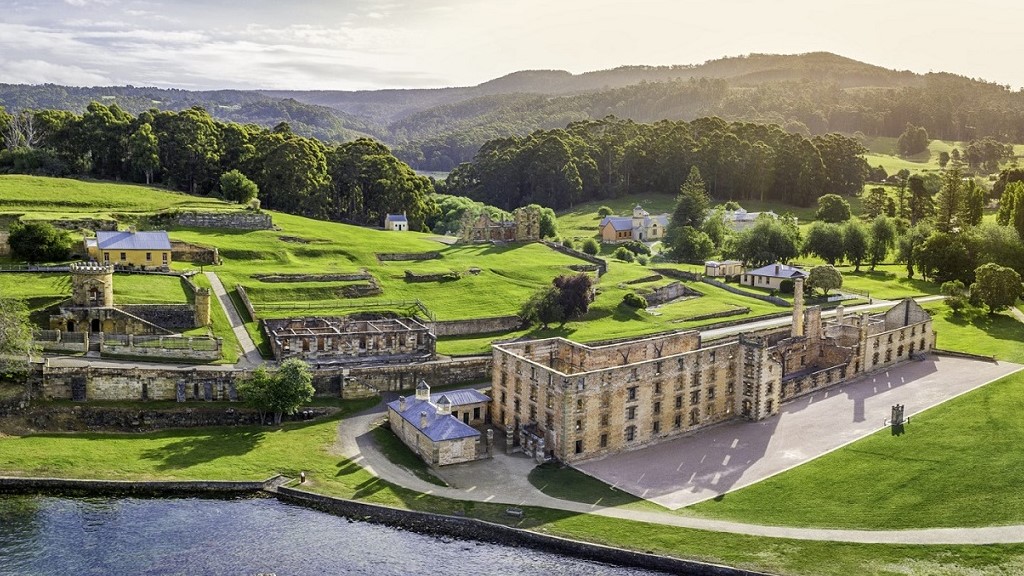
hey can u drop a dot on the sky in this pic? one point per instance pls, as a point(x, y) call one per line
point(373, 44)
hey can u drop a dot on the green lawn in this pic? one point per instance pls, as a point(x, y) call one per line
point(220, 325)
point(149, 289)
point(977, 332)
point(49, 198)
point(566, 483)
point(887, 282)
point(399, 454)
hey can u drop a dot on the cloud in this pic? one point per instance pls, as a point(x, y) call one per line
point(40, 72)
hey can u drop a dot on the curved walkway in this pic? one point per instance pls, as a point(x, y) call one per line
point(503, 479)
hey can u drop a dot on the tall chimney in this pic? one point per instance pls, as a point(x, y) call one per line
point(798, 307)
point(401, 403)
point(839, 315)
point(423, 420)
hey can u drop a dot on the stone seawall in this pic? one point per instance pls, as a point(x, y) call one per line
point(493, 324)
point(65, 486)
point(473, 529)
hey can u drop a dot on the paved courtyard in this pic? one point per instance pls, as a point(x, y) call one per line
point(688, 470)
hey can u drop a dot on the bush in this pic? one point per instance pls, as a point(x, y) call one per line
point(634, 300)
point(604, 211)
point(38, 241)
point(590, 246)
point(642, 260)
point(786, 287)
point(623, 253)
point(637, 247)
point(568, 243)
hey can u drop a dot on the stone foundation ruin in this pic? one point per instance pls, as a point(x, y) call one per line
point(351, 339)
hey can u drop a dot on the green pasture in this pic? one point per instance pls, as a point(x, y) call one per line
point(149, 289)
point(48, 198)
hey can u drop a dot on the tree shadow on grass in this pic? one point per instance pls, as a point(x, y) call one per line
point(998, 326)
point(192, 450)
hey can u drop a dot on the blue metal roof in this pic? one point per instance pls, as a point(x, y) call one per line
point(396, 218)
point(778, 271)
point(461, 397)
point(440, 427)
point(125, 240)
point(618, 222)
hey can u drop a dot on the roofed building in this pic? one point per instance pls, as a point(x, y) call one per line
point(740, 220)
point(725, 268)
point(396, 222)
point(131, 249)
point(429, 424)
point(771, 276)
point(641, 226)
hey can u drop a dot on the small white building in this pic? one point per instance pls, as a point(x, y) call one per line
point(396, 222)
point(771, 276)
point(714, 269)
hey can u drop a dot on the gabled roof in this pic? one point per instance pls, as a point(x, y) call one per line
point(396, 218)
point(460, 397)
point(619, 223)
point(778, 271)
point(125, 240)
point(439, 427)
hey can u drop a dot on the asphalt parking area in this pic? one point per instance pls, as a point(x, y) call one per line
point(687, 470)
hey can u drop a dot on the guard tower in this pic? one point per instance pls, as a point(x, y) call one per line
point(92, 285)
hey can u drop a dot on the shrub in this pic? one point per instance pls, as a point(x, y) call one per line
point(623, 253)
point(642, 260)
point(634, 300)
point(590, 246)
point(39, 241)
point(637, 247)
point(568, 243)
point(786, 287)
point(604, 211)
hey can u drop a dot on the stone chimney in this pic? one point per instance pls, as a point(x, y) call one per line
point(423, 420)
point(776, 269)
point(132, 229)
point(798, 307)
point(401, 403)
point(422, 390)
point(839, 315)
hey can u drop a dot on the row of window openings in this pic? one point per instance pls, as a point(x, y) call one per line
point(899, 353)
point(124, 256)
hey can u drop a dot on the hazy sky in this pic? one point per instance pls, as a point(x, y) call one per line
point(369, 44)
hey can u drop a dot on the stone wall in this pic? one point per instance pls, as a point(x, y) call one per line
point(170, 316)
point(713, 315)
point(366, 381)
point(669, 292)
point(602, 265)
point(76, 224)
point(240, 220)
point(83, 383)
point(351, 277)
point(476, 326)
point(5, 247)
point(84, 417)
point(60, 341)
point(763, 297)
point(166, 347)
point(244, 297)
point(404, 256)
point(182, 251)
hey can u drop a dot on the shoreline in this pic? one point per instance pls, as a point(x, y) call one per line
point(426, 523)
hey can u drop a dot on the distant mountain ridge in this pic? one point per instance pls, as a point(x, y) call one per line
point(436, 129)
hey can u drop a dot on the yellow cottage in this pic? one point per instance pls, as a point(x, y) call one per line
point(130, 249)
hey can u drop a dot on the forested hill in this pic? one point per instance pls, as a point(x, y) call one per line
point(437, 129)
point(227, 105)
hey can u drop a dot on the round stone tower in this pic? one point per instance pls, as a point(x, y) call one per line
point(202, 307)
point(92, 284)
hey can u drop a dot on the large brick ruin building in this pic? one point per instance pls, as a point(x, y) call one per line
point(523, 227)
point(559, 398)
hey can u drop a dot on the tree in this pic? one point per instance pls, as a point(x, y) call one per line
point(825, 241)
point(824, 278)
point(909, 244)
point(875, 201)
point(624, 254)
point(714, 226)
point(768, 240)
point(832, 208)
point(945, 256)
point(236, 187)
point(16, 343)
point(691, 204)
point(996, 286)
point(590, 246)
point(1012, 193)
point(280, 393)
point(576, 292)
point(919, 203)
point(956, 294)
point(914, 140)
point(855, 243)
point(544, 307)
point(604, 211)
point(548, 221)
point(883, 239)
point(144, 151)
point(38, 241)
point(693, 246)
point(943, 159)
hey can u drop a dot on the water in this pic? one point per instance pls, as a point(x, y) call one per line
point(111, 536)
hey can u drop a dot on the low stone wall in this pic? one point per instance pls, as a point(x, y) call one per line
point(713, 315)
point(59, 341)
point(66, 486)
point(353, 277)
point(166, 347)
point(87, 417)
point(5, 247)
point(75, 224)
point(366, 381)
point(182, 251)
point(240, 220)
point(476, 326)
point(473, 529)
point(678, 274)
point(244, 297)
point(670, 292)
point(763, 297)
point(171, 316)
point(82, 383)
point(411, 276)
point(645, 279)
point(407, 256)
point(602, 266)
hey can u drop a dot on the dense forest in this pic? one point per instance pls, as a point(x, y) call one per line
point(438, 129)
point(190, 151)
point(590, 160)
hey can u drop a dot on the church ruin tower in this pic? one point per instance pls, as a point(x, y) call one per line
point(92, 284)
point(798, 307)
point(202, 307)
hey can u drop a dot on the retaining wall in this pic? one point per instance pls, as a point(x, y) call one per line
point(670, 292)
point(5, 247)
point(182, 251)
point(240, 220)
point(367, 381)
point(244, 297)
point(476, 326)
point(403, 256)
point(730, 288)
point(170, 316)
point(116, 487)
